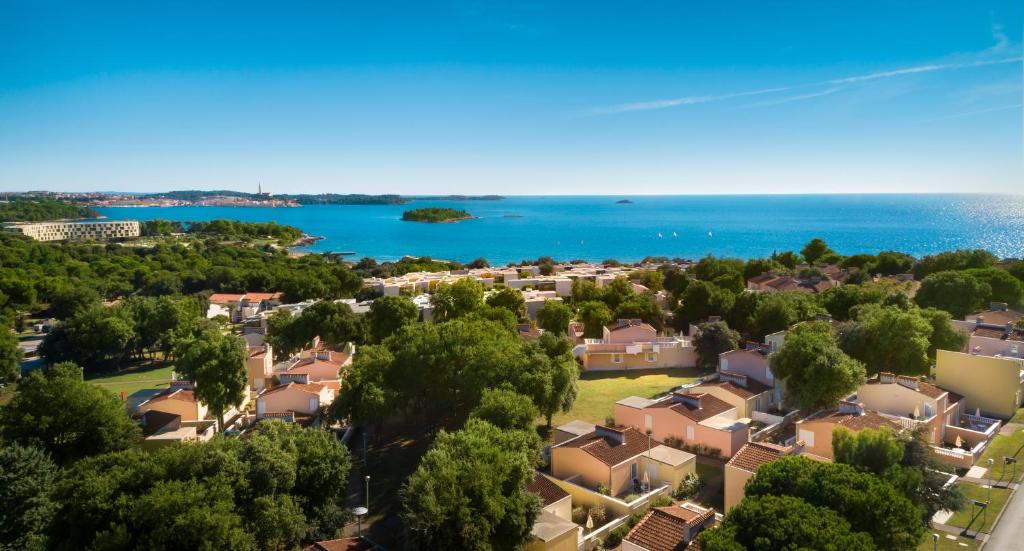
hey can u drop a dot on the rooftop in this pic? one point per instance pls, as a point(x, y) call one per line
point(696, 406)
point(549, 526)
point(667, 528)
point(754, 454)
point(612, 445)
point(548, 491)
point(311, 388)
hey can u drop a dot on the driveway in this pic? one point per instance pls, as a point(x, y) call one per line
point(1008, 533)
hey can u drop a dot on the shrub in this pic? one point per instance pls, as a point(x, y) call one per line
point(629, 498)
point(579, 516)
point(603, 489)
point(615, 536)
point(598, 513)
point(689, 486)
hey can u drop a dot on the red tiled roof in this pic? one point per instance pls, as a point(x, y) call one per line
point(179, 394)
point(754, 454)
point(258, 297)
point(548, 491)
point(312, 388)
point(665, 528)
point(225, 298)
point(610, 451)
point(307, 365)
point(998, 333)
point(924, 387)
point(752, 388)
point(343, 544)
point(857, 422)
point(624, 323)
point(710, 406)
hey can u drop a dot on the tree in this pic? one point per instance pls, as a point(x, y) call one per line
point(479, 263)
point(888, 339)
point(701, 300)
point(97, 338)
point(365, 397)
point(68, 301)
point(56, 411)
point(389, 314)
point(816, 372)
point(815, 250)
point(27, 478)
point(554, 316)
point(778, 311)
point(216, 364)
point(944, 336)
point(10, 354)
point(509, 299)
point(892, 263)
point(713, 339)
point(643, 307)
point(953, 260)
point(869, 503)
point(710, 268)
point(958, 293)
point(469, 491)
point(506, 409)
point(453, 300)
point(594, 315)
point(872, 450)
point(1005, 287)
point(783, 522)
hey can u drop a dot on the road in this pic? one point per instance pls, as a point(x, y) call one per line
point(1008, 534)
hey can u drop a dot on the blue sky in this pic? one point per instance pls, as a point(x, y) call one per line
point(513, 97)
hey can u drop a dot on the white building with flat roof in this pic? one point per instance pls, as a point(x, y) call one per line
point(76, 230)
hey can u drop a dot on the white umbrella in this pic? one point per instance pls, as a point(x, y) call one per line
point(917, 412)
point(959, 443)
point(647, 480)
point(590, 522)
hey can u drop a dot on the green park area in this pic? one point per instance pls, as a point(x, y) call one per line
point(972, 518)
point(599, 390)
point(156, 375)
point(948, 542)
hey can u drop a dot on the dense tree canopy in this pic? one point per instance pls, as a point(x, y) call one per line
point(58, 412)
point(506, 409)
point(27, 478)
point(469, 491)
point(711, 340)
point(10, 354)
point(389, 314)
point(701, 300)
point(1005, 287)
point(953, 260)
point(769, 523)
point(554, 316)
point(958, 293)
point(817, 373)
point(869, 503)
point(453, 300)
point(281, 486)
point(40, 209)
point(509, 299)
point(815, 250)
point(594, 315)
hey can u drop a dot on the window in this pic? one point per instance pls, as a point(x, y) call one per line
point(689, 432)
point(648, 422)
point(725, 364)
point(616, 358)
point(649, 356)
point(808, 437)
point(632, 471)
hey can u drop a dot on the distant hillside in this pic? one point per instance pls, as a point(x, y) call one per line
point(37, 210)
point(322, 198)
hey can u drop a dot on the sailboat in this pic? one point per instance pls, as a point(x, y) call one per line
point(674, 234)
point(659, 235)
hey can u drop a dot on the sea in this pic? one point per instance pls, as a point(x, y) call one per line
point(596, 228)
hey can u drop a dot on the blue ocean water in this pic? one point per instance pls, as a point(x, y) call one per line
point(597, 227)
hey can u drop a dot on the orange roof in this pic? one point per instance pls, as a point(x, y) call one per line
point(180, 394)
point(860, 421)
point(548, 491)
point(307, 365)
point(666, 528)
point(257, 297)
point(311, 388)
point(754, 454)
point(609, 450)
point(225, 298)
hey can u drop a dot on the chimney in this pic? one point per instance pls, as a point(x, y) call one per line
point(611, 433)
point(909, 382)
point(886, 377)
point(693, 400)
point(736, 378)
point(998, 307)
point(853, 408)
point(324, 355)
point(978, 321)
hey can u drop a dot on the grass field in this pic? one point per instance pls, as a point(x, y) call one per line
point(128, 381)
point(1005, 446)
point(599, 390)
point(958, 543)
point(966, 518)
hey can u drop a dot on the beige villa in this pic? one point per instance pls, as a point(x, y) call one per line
point(815, 432)
point(553, 530)
point(259, 367)
point(622, 459)
point(632, 344)
point(294, 398)
point(671, 528)
point(744, 464)
point(696, 418)
point(989, 373)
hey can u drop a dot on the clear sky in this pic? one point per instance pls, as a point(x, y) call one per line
point(519, 97)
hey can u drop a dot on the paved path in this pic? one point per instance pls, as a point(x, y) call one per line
point(1008, 533)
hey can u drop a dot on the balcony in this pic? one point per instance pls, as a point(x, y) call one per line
point(906, 422)
point(973, 434)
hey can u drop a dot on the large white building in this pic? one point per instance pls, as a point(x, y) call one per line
point(62, 231)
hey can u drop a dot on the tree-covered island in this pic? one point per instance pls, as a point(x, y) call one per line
point(435, 215)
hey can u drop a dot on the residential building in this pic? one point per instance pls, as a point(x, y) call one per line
point(815, 432)
point(769, 283)
point(259, 367)
point(317, 365)
point(998, 313)
point(174, 415)
point(744, 464)
point(991, 385)
point(620, 458)
point(746, 394)
point(913, 403)
point(571, 430)
point(553, 530)
point(632, 344)
point(671, 528)
point(305, 399)
point(344, 544)
point(238, 307)
point(76, 230)
point(697, 419)
point(179, 400)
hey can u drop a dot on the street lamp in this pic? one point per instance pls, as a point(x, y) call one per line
point(984, 513)
point(990, 461)
point(1007, 460)
point(935, 542)
point(360, 512)
point(367, 492)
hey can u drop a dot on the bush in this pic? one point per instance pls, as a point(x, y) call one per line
point(696, 449)
point(629, 498)
point(615, 536)
point(579, 515)
point(690, 485)
point(604, 490)
point(598, 514)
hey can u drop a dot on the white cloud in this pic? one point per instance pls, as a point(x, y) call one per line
point(923, 69)
point(800, 97)
point(675, 102)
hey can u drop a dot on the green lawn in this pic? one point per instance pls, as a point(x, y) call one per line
point(965, 519)
point(945, 544)
point(1018, 417)
point(599, 390)
point(1005, 446)
point(148, 376)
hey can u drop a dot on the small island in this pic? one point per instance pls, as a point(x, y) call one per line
point(435, 215)
point(624, 202)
